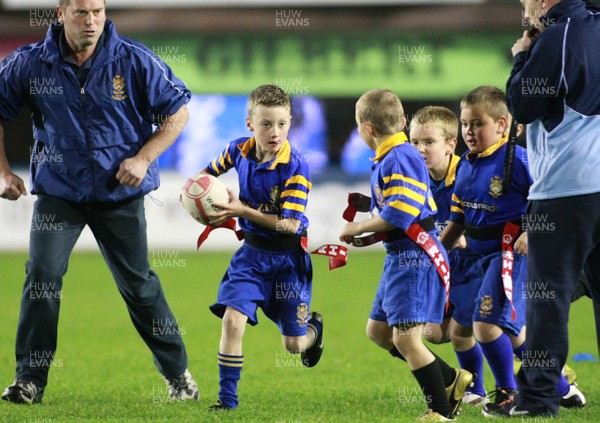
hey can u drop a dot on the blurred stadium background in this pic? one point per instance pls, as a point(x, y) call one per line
point(325, 53)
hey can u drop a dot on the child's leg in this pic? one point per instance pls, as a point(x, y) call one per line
point(381, 334)
point(497, 348)
point(298, 344)
point(230, 356)
point(469, 354)
point(438, 333)
point(424, 366)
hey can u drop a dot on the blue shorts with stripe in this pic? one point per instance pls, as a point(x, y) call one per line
point(465, 282)
point(492, 305)
point(279, 282)
point(410, 289)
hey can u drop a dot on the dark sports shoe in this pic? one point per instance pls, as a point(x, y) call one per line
point(504, 402)
point(509, 409)
point(456, 390)
point(219, 406)
point(183, 387)
point(23, 392)
point(574, 398)
point(312, 355)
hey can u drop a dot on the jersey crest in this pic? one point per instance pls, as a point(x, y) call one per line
point(496, 187)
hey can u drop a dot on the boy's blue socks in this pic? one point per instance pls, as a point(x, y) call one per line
point(230, 369)
point(499, 355)
point(472, 360)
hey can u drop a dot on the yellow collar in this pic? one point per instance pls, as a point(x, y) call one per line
point(282, 156)
point(488, 151)
point(451, 174)
point(388, 144)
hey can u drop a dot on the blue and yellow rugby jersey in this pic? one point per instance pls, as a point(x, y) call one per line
point(279, 186)
point(478, 200)
point(400, 183)
point(442, 194)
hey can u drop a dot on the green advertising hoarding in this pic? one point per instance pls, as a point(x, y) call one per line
point(416, 66)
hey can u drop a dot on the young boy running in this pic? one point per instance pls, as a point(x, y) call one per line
point(274, 185)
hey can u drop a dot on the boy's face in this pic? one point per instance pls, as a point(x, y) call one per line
point(270, 126)
point(432, 145)
point(479, 130)
point(362, 130)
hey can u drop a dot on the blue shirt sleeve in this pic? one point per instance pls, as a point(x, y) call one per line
point(13, 86)
point(405, 191)
point(165, 92)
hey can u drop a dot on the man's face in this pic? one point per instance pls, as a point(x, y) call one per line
point(83, 22)
point(532, 12)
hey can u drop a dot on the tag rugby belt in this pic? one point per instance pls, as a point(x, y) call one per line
point(418, 232)
point(337, 254)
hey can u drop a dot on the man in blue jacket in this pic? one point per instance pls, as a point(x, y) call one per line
point(553, 88)
point(94, 97)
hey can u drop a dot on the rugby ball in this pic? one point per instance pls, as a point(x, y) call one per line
point(200, 194)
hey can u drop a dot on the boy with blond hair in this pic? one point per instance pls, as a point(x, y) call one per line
point(434, 133)
point(402, 210)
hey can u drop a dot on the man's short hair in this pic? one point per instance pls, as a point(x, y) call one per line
point(491, 99)
point(382, 109)
point(269, 95)
point(441, 117)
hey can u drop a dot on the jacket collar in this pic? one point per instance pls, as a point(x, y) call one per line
point(388, 144)
point(110, 51)
point(564, 10)
point(282, 156)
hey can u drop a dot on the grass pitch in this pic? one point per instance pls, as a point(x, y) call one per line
point(103, 372)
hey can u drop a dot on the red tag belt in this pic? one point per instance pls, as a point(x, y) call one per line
point(415, 232)
point(508, 237)
point(337, 253)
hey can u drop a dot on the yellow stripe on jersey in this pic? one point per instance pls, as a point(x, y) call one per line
point(432, 204)
point(294, 193)
point(214, 167)
point(455, 198)
point(406, 208)
point(293, 206)
point(298, 179)
point(454, 209)
point(222, 159)
point(404, 191)
point(398, 177)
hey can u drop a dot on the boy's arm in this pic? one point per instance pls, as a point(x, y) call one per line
point(451, 234)
point(374, 224)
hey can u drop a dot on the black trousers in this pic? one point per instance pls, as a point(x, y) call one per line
point(564, 240)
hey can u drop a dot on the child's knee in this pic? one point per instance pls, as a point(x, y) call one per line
point(233, 322)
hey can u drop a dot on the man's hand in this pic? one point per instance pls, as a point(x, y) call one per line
point(132, 171)
point(11, 186)
point(522, 44)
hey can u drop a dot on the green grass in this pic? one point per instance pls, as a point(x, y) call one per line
point(105, 373)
